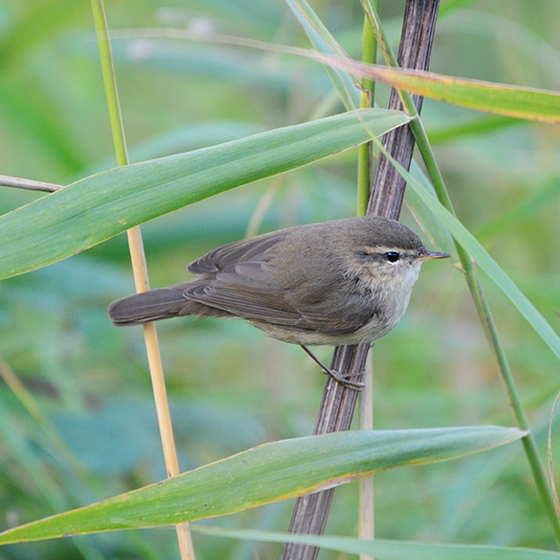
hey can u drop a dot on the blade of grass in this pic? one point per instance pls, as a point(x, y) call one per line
point(266, 473)
point(444, 211)
point(140, 270)
point(103, 205)
point(386, 549)
point(502, 99)
point(441, 208)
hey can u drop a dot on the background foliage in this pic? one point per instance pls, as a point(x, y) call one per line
point(231, 387)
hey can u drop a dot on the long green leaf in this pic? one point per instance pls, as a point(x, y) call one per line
point(502, 99)
point(488, 264)
point(426, 196)
point(388, 550)
point(103, 205)
point(513, 101)
point(267, 473)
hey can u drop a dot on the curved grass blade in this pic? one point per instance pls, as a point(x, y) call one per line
point(502, 99)
point(386, 549)
point(264, 474)
point(485, 262)
point(103, 205)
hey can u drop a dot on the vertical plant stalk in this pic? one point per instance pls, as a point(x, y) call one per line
point(139, 268)
point(365, 183)
point(367, 495)
point(549, 499)
point(335, 414)
point(414, 52)
point(338, 404)
point(367, 96)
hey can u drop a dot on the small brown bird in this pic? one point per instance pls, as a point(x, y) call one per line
point(341, 282)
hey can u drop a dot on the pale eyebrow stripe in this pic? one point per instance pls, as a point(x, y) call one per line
point(383, 249)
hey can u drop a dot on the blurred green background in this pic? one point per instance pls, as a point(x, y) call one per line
point(230, 386)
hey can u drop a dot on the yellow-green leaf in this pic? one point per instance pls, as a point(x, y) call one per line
point(502, 99)
point(267, 473)
point(103, 205)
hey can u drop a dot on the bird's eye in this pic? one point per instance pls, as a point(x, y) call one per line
point(392, 256)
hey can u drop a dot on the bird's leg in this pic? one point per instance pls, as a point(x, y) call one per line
point(356, 385)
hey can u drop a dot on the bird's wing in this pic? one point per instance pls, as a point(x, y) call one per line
point(342, 309)
point(239, 278)
point(251, 292)
point(243, 251)
point(248, 291)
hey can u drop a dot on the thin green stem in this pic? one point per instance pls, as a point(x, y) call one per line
point(365, 166)
point(369, 50)
point(371, 9)
point(424, 146)
point(529, 444)
point(106, 58)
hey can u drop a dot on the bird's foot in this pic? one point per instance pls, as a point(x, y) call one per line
point(337, 376)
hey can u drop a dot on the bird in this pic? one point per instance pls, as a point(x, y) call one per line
point(345, 281)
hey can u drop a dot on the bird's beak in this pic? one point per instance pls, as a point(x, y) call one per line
point(428, 255)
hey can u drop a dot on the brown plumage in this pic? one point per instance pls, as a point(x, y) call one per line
point(340, 282)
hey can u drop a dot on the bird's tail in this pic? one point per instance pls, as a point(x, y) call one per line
point(148, 306)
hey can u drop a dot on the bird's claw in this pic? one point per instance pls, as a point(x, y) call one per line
point(339, 378)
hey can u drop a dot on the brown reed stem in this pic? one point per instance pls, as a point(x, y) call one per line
point(337, 407)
